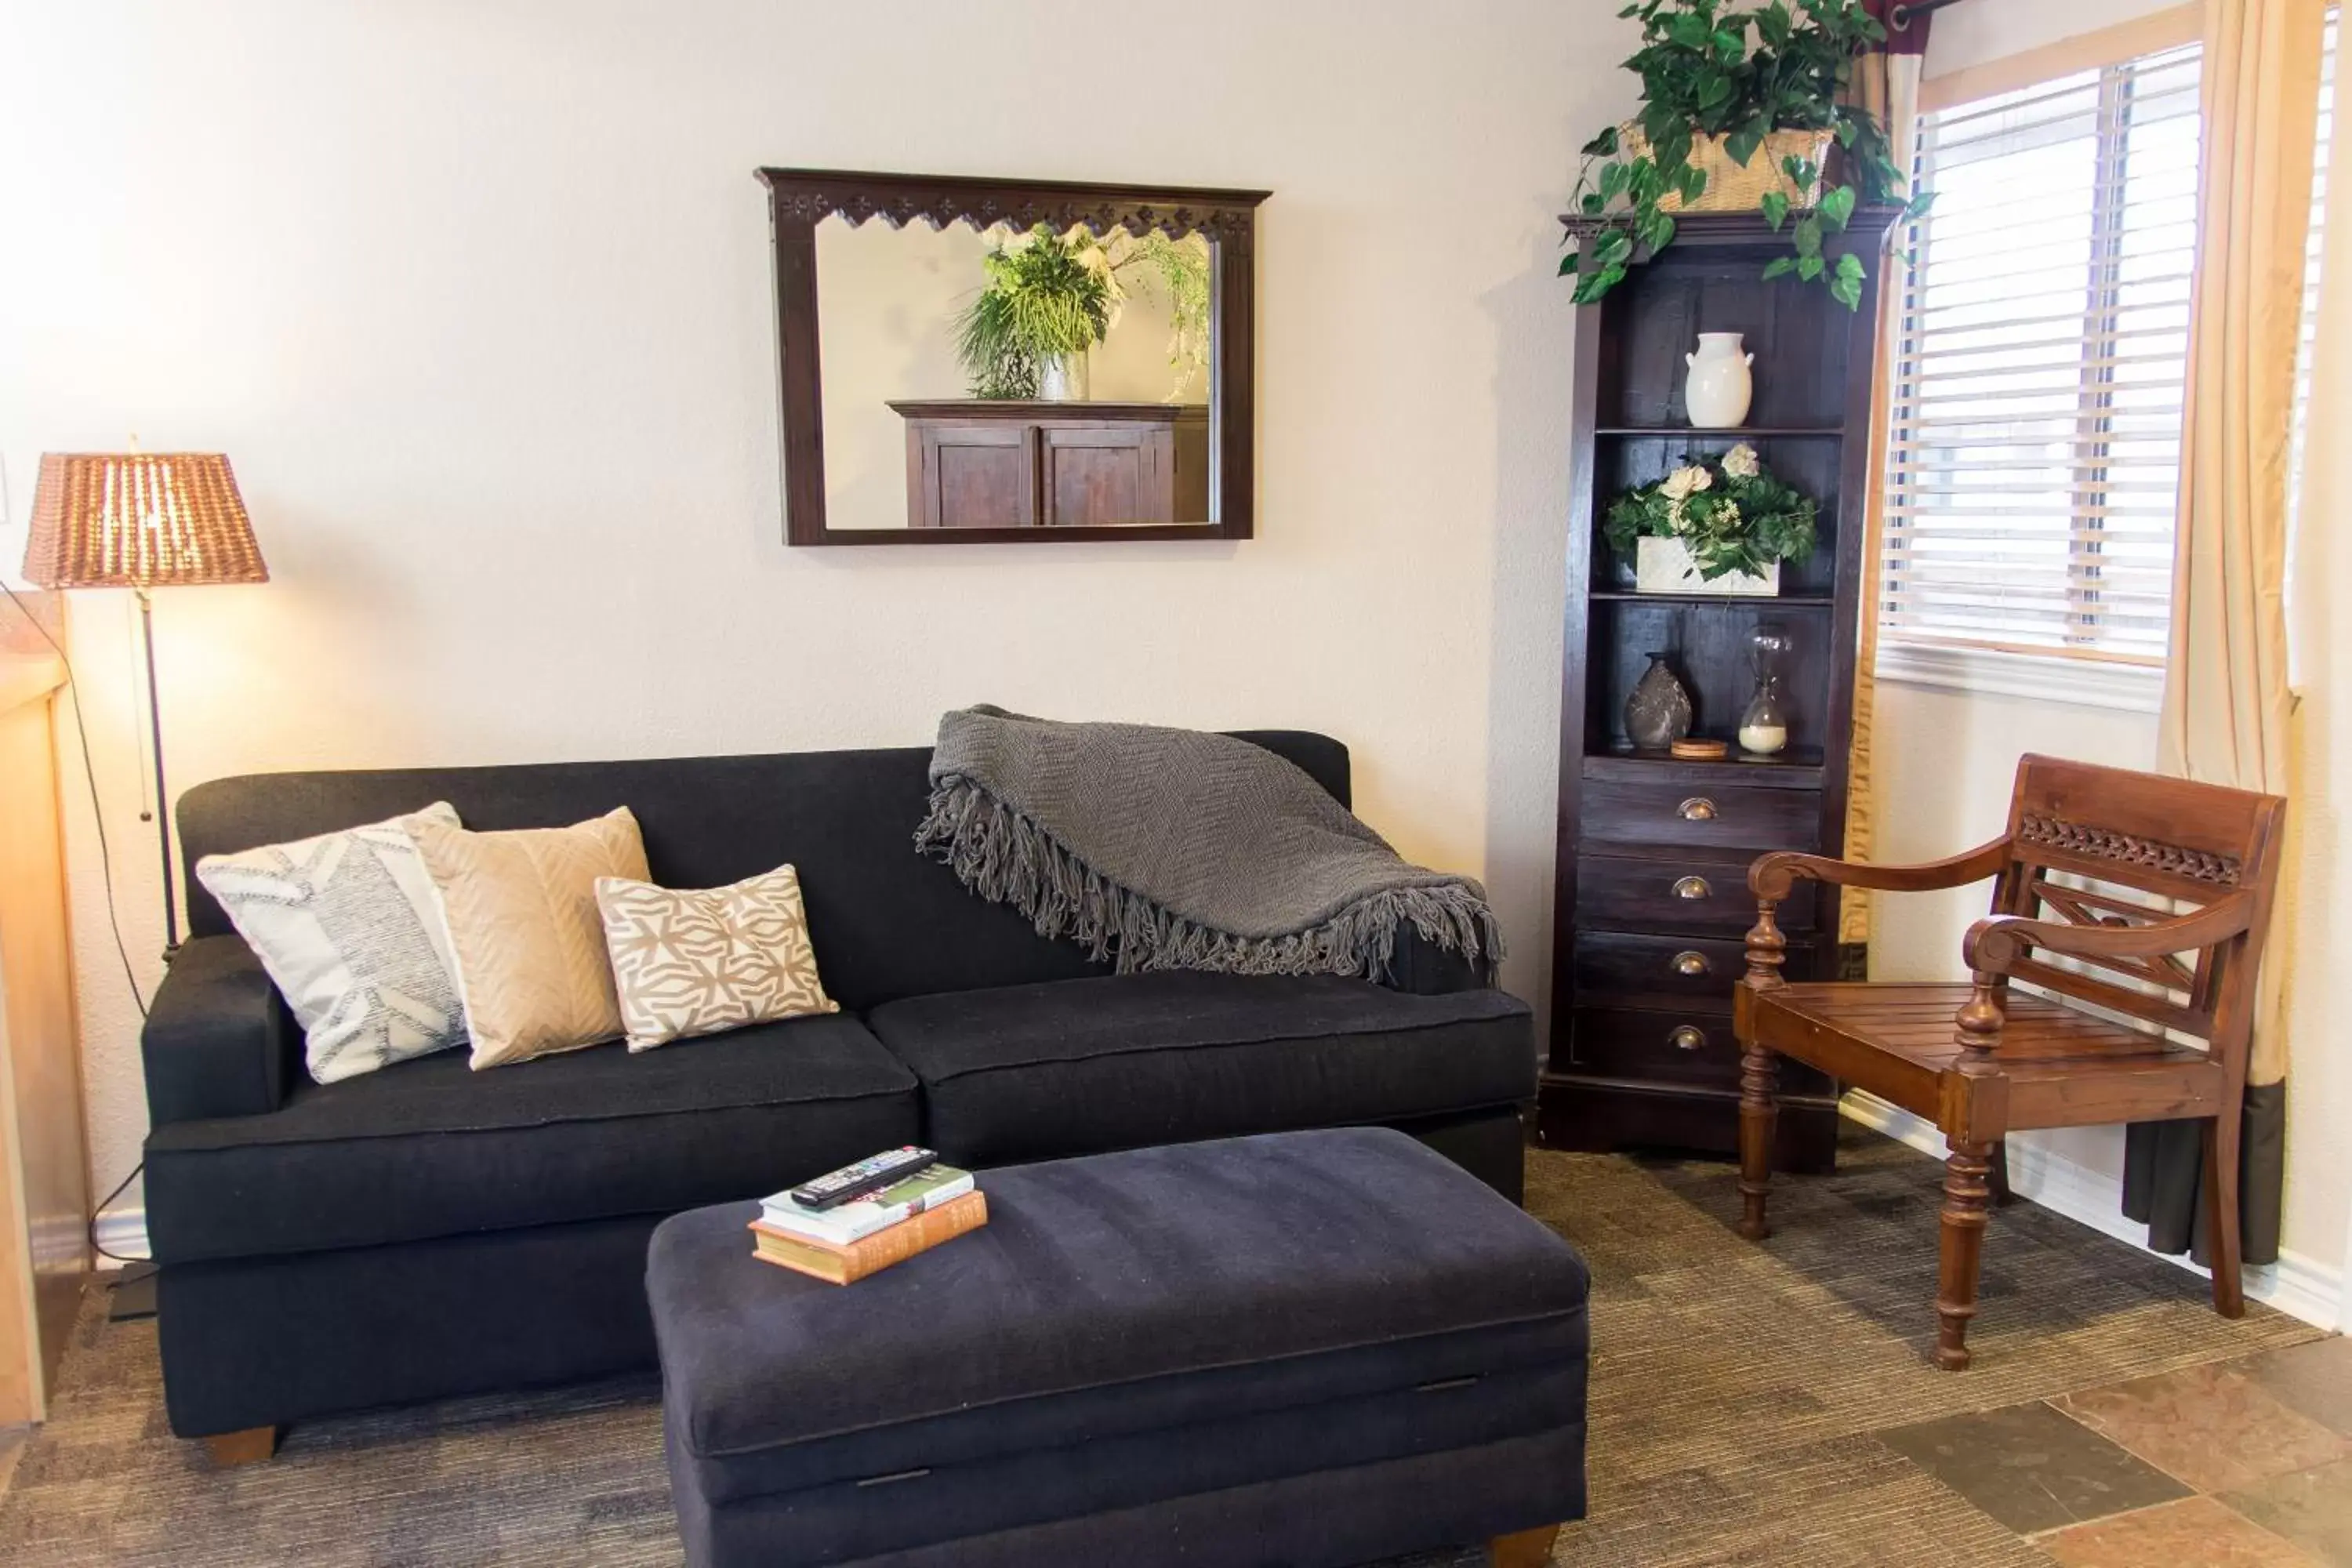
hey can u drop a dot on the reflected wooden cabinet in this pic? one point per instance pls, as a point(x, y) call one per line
point(976, 464)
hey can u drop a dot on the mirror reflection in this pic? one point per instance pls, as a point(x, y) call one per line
point(1014, 377)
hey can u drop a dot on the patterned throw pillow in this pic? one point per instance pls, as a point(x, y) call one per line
point(693, 962)
point(348, 928)
point(523, 930)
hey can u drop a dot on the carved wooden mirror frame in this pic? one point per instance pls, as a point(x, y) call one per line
point(800, 199)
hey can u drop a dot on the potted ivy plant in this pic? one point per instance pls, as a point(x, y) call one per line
point(1742, 110)
point(1716, 525)
point(1049, 297)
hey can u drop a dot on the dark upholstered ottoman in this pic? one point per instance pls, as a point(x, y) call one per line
point(1310, 1349)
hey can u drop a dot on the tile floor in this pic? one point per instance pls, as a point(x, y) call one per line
point(2244, 1463)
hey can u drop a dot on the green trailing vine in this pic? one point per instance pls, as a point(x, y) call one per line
point(1710, 69)
point(1046, 295)
point(1729, 511)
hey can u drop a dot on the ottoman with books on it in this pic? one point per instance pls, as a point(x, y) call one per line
point(1314, 1348)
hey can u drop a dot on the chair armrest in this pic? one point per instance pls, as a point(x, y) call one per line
point(1998, 941)
point(218, 1038)
point(1422, 968)
point(1775, 876)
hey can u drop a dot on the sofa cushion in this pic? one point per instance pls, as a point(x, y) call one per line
point(430, 1148)
point(1074, 1067)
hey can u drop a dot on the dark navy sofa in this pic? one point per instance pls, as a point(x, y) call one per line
point(426, 1230)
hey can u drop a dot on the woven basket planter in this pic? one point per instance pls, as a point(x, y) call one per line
point(1730, 187)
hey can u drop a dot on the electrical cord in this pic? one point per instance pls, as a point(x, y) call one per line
point(106, 869)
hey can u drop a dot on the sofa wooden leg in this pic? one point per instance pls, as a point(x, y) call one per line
point(249, 1447)
point(1526, 1548)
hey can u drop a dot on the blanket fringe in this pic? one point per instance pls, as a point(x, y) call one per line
point(1008, 858)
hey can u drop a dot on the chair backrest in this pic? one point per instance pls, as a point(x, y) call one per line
point(2092, 846)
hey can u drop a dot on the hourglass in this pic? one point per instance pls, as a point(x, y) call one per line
point(1764, 728)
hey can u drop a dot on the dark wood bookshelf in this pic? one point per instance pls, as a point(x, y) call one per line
point(1652, 901)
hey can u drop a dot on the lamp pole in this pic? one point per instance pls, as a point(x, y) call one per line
point(163, 801)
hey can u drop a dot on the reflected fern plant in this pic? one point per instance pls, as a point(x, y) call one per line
point(1709, 69)
point(1048, 295)
point(1042, 299)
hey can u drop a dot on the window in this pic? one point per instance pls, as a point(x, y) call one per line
point(2035, 451)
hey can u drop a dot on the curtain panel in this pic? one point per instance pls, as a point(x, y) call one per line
point(1886, 82)
point(2226, 705)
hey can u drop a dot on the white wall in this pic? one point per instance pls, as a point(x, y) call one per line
point(476, 294)
point(1982, 30)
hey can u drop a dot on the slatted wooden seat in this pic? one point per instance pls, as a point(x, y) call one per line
point(2135, 905)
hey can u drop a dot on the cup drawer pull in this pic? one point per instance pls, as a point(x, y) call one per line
point(1687, 1038)
point(1692, 887)
point(1697, 808)
point(1691, 964)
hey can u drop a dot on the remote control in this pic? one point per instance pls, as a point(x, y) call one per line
point(837, 1187)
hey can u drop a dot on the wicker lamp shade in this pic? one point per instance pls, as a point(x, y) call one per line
point(140, 519)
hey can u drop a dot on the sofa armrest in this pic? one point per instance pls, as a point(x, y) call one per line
point(218, 1037)
point(1421, 967)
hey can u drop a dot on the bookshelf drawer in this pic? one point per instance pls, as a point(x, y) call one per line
point(1694, 972)
point(1673, 893)
point(1670, 1047)
point(1724, 815)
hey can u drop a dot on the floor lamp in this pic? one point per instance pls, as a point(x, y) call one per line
point(142, 520)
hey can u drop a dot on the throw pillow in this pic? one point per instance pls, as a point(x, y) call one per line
point(524, 929)
point(691, 962)
point(347, 926)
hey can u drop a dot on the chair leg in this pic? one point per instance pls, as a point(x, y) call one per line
point(1997, 1174)
point(1966, 1194)
point(1758, 1126)
point(1523, 1549)
point(2221, 1134)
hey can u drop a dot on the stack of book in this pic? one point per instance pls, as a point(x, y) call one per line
point(854, 1240)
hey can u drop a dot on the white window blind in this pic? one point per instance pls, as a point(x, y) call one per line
point(2035, 439)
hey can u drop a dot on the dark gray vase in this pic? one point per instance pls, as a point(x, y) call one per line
point(1659, 713)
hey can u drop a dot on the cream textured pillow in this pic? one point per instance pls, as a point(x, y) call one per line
point(524, 929)
point(347, 926)
point(691, 962)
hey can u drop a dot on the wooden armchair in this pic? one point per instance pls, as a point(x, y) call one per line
point(2090, 877)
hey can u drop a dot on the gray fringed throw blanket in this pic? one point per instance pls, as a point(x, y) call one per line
point(1176, 850)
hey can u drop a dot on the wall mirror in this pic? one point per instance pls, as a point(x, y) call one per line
point(967, 361)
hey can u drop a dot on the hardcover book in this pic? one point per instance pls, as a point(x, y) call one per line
point(843, 1265)
point(926, 1189)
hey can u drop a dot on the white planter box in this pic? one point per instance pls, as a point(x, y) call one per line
point(1663, 566)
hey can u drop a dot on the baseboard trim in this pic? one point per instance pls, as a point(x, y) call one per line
point(2296, 1285)
point(122, 1232)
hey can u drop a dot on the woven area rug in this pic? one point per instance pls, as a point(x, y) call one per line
point(1735, 1389)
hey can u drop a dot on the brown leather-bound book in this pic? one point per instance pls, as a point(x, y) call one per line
point(844, 1264)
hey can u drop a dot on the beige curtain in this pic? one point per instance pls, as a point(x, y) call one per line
point(1887, 84)
point(2225, 698)
point(2226, 705)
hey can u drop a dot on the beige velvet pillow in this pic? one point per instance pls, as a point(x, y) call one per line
point(694, 960)
point(523, 930)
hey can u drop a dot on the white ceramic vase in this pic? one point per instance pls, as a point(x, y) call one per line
point(1718, 390)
